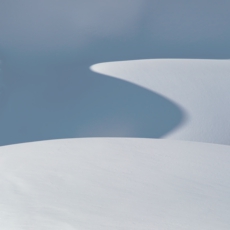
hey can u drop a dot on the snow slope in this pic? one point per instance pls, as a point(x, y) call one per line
point(118, 183)
point(47, 91)
point(199, 87)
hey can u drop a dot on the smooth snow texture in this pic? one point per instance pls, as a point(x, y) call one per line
point(199, 87)
point(114, 184)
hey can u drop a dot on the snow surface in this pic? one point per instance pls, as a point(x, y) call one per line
point(103, 183)
point(199, 87)
point(47, 91)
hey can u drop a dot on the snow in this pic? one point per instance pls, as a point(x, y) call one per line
point(131, 69)
point(199, 87)
point(101, 183)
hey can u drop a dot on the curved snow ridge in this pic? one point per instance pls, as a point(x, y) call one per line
point(101, 183)
point(200, 87)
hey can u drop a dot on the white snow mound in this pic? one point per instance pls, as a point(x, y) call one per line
point(114, 184)
point(199, 87)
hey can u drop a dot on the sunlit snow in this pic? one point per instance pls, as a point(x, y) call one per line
point(123, 87)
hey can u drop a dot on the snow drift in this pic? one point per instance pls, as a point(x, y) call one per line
point(199, 87)
point(114, 184)
point(47, 91)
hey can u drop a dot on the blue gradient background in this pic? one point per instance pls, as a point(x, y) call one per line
point(47, 90)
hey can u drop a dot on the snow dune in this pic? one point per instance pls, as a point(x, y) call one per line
point(47, 91)
point(199, 87)
point(114, 184)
